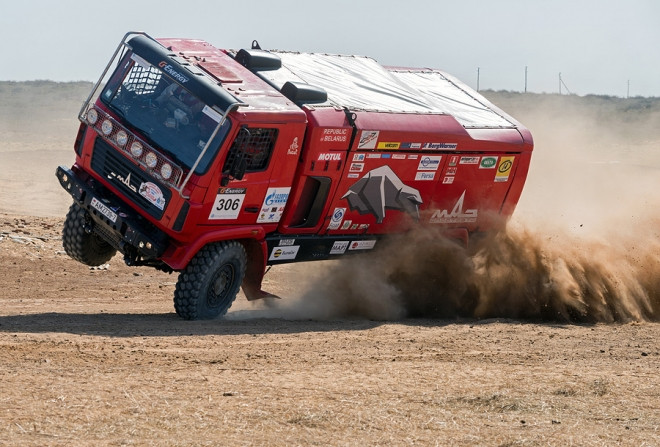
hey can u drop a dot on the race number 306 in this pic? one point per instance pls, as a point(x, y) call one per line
point(228, 203)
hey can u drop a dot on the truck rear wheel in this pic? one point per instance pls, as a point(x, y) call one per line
point(81, 244)
point(207, 287)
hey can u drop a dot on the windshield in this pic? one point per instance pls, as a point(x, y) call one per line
point(165, 112)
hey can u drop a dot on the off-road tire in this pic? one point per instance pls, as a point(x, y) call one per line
point(82, 245)
point(208, 285)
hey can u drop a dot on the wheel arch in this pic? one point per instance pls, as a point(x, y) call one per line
point(253, 240)
point(178, 256)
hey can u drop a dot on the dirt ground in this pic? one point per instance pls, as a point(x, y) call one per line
point(98, 357)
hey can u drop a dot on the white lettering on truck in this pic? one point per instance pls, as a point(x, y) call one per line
point(331, 156)
point(167, 68)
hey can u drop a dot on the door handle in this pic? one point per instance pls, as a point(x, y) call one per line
point(251, 209)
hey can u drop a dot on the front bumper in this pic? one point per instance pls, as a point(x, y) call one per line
point(114, 221)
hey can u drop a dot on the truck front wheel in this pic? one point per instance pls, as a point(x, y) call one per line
point(82, 244)
point(208, 285)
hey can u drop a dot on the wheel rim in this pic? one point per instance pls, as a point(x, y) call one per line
point(220, 285)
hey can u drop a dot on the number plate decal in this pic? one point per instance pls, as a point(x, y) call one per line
point(228, 203)
point(101, 208)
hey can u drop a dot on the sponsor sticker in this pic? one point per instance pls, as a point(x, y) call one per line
point(451, 171)
point(373, 155)
point(228, 203)
point(273, 205)
point(347, 224)
point(215, 116)
point(101, 208)
point(453, 160)
point(425, 176)
point(429, 163)
point(413, 157)
point(293, 147)
point(488, 163)
point(368, 139)
point(440, 146)
point(353, 176)
point(339, 248)
point(504, 169)
point(356, 167)
point(284, 253)
point(153, 194)
point(469, 161)
point(389, 145)
point(337, 217)
point(286, 242)
point(167, 68)
point(448, 180)
point(330, 156)
point(411, 145)
point(362, 245)
point(358, 157)
point(398, 156)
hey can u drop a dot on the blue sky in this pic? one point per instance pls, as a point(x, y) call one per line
point(598, 46)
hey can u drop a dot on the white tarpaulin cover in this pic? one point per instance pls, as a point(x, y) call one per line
point(453, 98)
point(362, 84)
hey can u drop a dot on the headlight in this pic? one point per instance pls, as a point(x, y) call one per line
point(106, 127)
point(166, 171)
point(151, 160)
point(92, 116)
point(136, 149)
point(121, 138)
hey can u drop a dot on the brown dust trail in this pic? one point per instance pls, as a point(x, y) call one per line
point(515, 273)
point(512, 274)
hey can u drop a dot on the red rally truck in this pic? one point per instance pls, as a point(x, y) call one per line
point(219, 163)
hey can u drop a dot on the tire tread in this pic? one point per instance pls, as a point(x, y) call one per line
point(188, 291)
point(89, 249)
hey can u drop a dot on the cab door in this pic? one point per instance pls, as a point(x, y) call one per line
point(255, 180)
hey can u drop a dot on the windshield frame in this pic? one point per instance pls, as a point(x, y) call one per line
point(165, 113)
point(199, 82)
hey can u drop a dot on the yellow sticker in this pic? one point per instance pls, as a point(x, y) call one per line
point(504, 169)
point(388, 145)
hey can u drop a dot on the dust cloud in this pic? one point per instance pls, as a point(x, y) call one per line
point(582, 246)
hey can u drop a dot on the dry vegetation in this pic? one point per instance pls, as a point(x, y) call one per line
point(97, 356)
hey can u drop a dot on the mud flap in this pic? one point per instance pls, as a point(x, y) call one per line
point(253, 293)
point(255, 270)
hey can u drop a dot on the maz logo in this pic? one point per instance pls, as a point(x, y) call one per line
point(457, 215)
point(125, 180)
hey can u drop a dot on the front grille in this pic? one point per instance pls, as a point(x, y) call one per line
point(134, 183)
